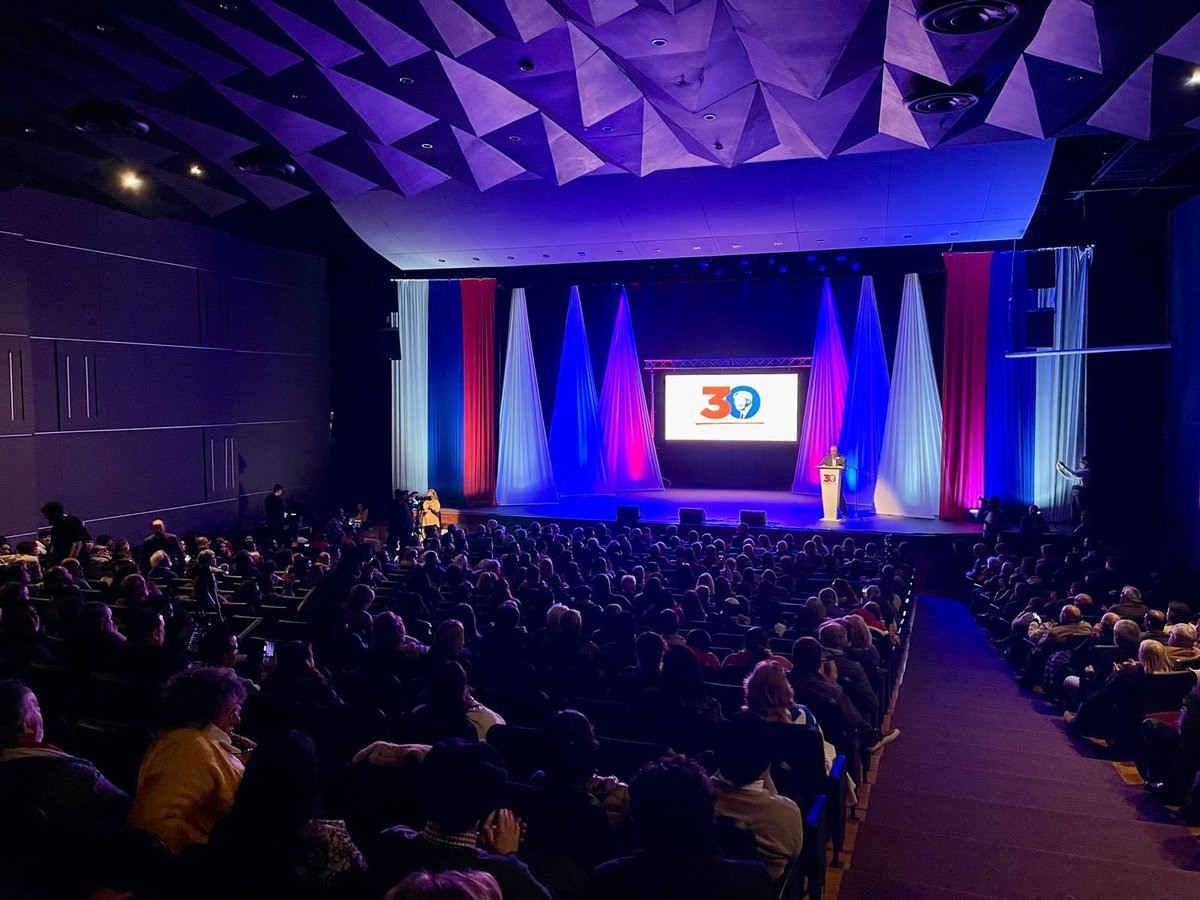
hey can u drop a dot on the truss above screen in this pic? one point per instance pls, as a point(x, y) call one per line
point(728, 362)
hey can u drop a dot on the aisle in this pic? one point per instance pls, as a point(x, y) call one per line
point(985, 795)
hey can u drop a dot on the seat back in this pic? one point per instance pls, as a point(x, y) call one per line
point(730, 696)
point(799, 768)
point(115, 748)
point(608, 717)
point(525, 750)
point(519, 706)
point(624, 758)
point(1165, 692)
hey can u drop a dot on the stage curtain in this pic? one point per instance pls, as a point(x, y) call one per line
point(1061, 380)
point(866, 400)
point(910, 461)
point(479, 389)
point(446, 390)
point(410, 388)
point(627, 434)
point(575, 447)
point(964, 381)
point(524, 474)
point(826, 401)
point(1008, 431)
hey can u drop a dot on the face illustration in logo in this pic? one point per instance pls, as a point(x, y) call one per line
point(745, 402)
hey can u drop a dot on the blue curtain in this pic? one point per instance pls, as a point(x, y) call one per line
point(446, 390)
point(866, 400)
point(523, 473)
point(410, 388)
point(1008, 435)
point(910, 461)
point(575, 449)
point(1059, 412)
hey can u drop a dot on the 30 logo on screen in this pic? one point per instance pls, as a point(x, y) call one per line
point(741, 402)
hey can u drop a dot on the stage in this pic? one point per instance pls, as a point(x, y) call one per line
point(785, 511)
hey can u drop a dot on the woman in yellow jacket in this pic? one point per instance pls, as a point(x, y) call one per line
point(191, 772)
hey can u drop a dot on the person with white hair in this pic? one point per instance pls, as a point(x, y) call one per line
point(1181, 645)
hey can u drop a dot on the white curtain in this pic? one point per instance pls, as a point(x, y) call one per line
point(410, 388)
point(523, 474)
point(1059, 410)
point(910, 461)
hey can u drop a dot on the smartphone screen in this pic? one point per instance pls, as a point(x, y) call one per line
point(268, 650)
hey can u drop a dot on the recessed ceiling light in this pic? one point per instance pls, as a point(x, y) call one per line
point(659, 42)
point(820, 240)
point(953, 233)
point(131, 181)
point(620, 251)
point(474, 259)
point(737, 246)
point(1075, 77)
point(227, 6)
point(778, 243)
point(525, 64)
point(195, 170)
point(708, 117)
point(658, 249)
point(545, 256)
point(864, 240)
point(907, 236)
point(510, 257)
point(1194, 79)
point(514, 137)
point(104, 28)
point(696, 247)
point(404, 79)
point(427, 146)
point(29, 129)
point(606, 128)
point(298, 96)
point(580, 253)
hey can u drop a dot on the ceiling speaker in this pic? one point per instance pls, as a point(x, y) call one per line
point(967, 16)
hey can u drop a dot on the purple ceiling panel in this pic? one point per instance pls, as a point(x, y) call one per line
point(389, 117)
point(409, 175)
point(201, 60)
point(266, 56)
point(518, 20)
point(327, 49)
point(156, 75)
point(299, 133)
point(391, 43)
point(209, 200)
point(514, 97)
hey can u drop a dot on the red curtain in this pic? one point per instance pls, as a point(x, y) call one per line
point(964, 381)
point(479, 389)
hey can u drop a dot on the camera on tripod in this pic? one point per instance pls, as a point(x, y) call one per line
point(416, 501)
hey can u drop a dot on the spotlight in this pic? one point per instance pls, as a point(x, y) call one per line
point(131, 181)
point(525, 64)
point(717, 145)
point(1195, 79)
point(195, 171)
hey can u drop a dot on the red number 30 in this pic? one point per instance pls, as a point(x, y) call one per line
point(718, 406)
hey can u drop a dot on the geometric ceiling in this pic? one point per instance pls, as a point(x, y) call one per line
point(406, 95)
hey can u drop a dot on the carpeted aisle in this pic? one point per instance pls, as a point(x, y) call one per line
point(985, 795)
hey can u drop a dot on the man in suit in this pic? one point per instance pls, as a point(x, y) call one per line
point(833, 458)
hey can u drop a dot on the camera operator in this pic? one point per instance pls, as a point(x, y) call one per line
point(400, 519)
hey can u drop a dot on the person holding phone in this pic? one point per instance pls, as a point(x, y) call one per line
point(464, 784)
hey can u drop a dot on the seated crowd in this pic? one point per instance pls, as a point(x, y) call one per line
point(1112, 639)
point(531, 712)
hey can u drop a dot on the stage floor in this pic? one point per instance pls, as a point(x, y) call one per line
point(721, 507)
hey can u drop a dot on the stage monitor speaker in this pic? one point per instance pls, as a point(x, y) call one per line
point(691, 515)
point(755, 517)
point(628, 515)
point(387, 343)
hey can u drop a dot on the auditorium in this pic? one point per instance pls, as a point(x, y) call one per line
point(589, 449)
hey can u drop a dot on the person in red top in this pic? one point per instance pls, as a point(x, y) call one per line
point(756, 648)
point(698, 641)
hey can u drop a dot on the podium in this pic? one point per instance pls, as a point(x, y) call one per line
point(831, 491)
